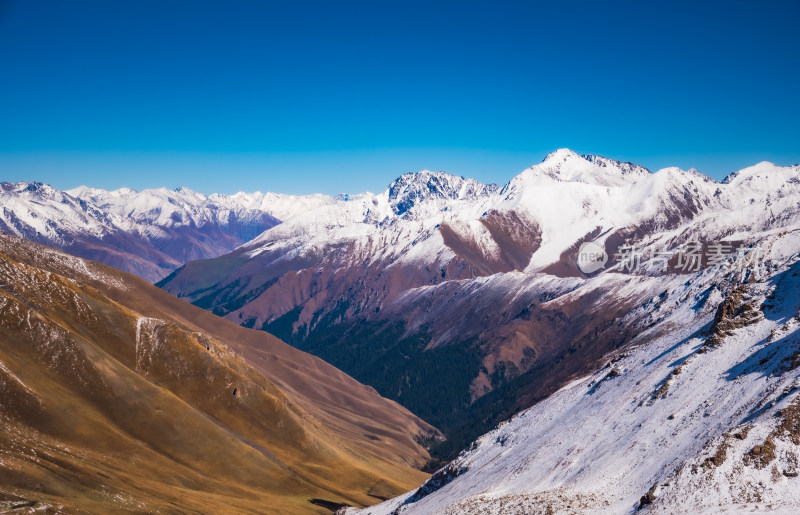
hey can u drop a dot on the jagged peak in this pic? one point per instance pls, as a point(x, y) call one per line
point(626, 167)
point(410, 189)
point(424, 175)
point(29, 187)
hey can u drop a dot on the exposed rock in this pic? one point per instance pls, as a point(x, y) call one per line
point(736, 310)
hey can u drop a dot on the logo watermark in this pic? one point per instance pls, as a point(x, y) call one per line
point(690, 257)
point(592, 256)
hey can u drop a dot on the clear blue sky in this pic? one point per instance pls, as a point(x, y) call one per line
point(301, 96)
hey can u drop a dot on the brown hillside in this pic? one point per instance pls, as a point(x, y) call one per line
point(117, 396)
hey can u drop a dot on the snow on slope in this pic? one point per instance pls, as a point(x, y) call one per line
point(281, 206)
point(674, 425)
point(410, 190)
point(567, 166)
point(391, 222)
point(435, 221)
point(149, 233)
point(163, 207)
point(151, 204)
point(568, 196)
point(34, 208)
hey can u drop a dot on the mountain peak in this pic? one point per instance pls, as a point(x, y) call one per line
point(77, 191)
point(625, 167)
point(564, 165)
point(559, 156)
point(763, 175)
point(410, 189)
point(31, 188)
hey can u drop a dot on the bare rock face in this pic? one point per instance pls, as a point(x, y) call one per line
point(736, 311)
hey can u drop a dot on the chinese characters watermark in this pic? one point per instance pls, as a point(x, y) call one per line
point(690, 257)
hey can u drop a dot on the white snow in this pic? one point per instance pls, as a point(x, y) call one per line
point(601, 442)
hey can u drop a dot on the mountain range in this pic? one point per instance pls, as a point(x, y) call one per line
point(632, 333)
point(442, 284)
point(149, 233)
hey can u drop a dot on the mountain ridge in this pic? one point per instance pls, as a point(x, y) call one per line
point(112, 385)
point(491, 276)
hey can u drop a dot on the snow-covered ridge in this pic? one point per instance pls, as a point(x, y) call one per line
point(170, 208)
point(675, 424)
point(431, 219)
point(566, 165)
point(566, 195)
point(149, 233)
point(763, 176)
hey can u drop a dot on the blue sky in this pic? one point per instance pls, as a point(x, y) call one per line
point(304, 96)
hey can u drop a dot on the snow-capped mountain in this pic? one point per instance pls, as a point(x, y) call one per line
point(698, 413)
point(153, 232)
point(178, 208)
point(475, 291)
point(567, 166)
point(412, 189)
point(149, 233)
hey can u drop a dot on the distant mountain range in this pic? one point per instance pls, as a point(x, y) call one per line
point(148, 233)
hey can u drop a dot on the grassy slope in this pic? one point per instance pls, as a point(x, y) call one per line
point(99, 415)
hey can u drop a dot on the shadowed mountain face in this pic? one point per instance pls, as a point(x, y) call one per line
point(465, 303)
point(117, 397)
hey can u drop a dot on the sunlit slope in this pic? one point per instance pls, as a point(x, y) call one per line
point(116, 396)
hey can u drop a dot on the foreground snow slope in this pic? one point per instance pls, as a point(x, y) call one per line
point(700, 414)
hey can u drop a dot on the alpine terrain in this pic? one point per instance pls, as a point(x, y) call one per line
point(149, 233)
point(465, 301)
point(698, 413)
point(589, 337)
point(117, 397)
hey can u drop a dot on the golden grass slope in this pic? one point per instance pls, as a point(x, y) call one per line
point(116, 396)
